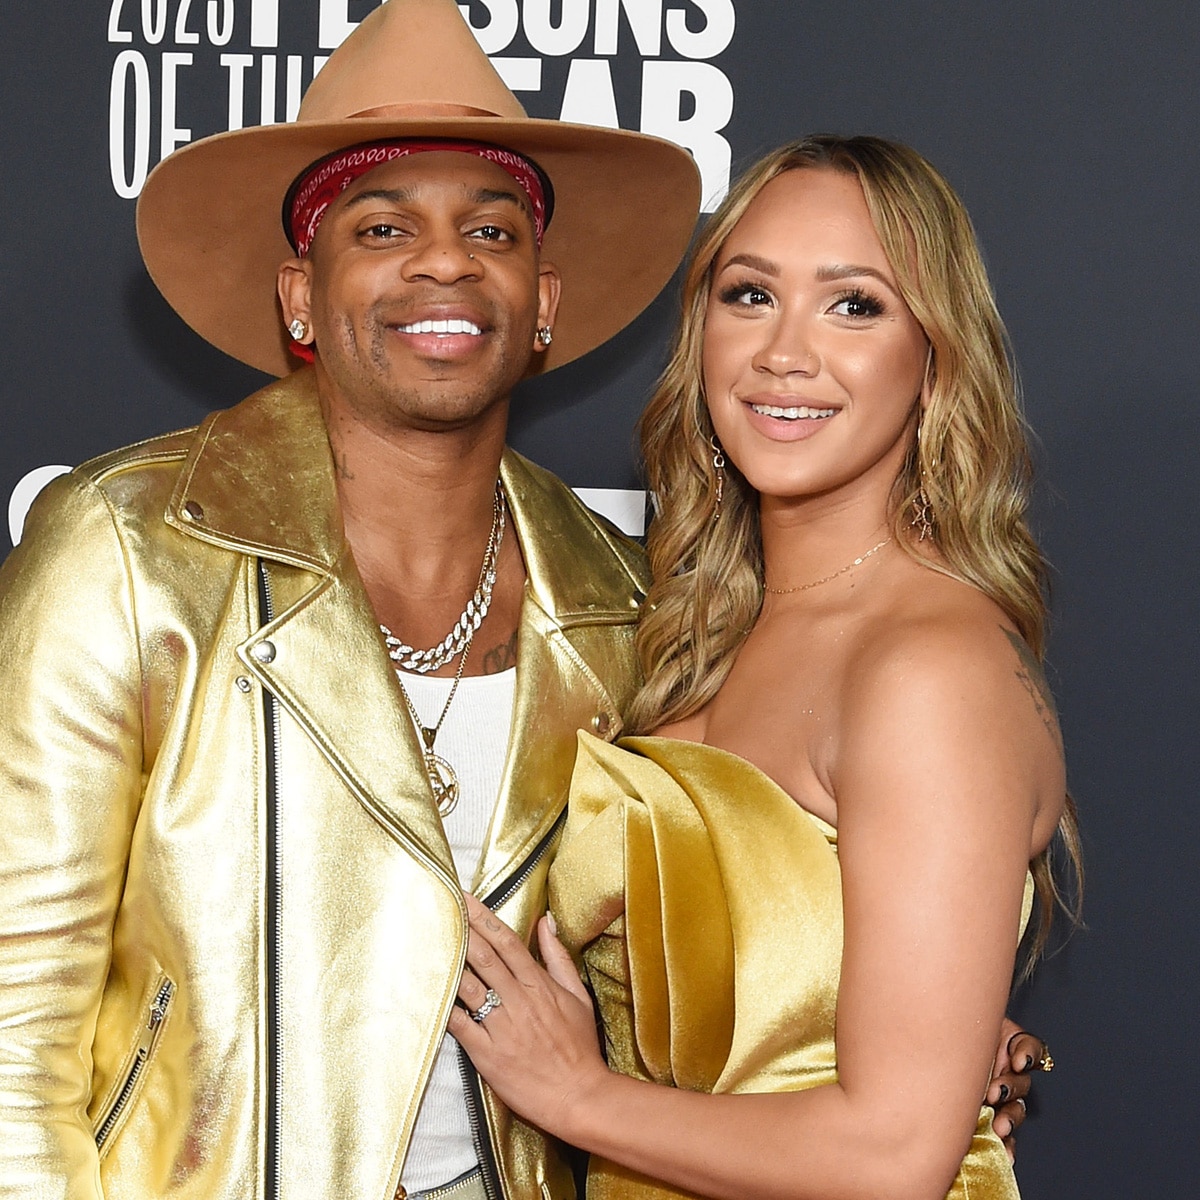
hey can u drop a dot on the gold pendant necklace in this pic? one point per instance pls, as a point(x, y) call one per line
point(443, 779)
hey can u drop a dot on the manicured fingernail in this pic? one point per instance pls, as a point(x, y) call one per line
point(1028, 1063)
point(552, 923)
point(1003, 1092)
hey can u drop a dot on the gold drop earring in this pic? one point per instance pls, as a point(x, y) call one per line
point(718, 462)
point(922, 518)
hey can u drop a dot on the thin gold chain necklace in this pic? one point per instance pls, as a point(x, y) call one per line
point(443, 778)
point(804, 587)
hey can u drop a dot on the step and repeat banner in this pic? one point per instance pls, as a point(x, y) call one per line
point(1069, 128)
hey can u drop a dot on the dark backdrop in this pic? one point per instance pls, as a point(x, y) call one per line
point(1070, 130)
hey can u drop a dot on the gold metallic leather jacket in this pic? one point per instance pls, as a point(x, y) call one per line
point(230, 929)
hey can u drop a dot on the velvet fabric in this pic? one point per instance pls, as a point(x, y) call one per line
point(706, 907)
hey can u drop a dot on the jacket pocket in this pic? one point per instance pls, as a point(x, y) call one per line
point(128, 1081)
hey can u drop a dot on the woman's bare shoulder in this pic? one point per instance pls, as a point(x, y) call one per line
point(944, 654)
point(930, 618)
point(945, 705)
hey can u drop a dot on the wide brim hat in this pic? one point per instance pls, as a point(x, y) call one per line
point(209, 216)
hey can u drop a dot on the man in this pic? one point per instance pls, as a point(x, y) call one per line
point(234, 835)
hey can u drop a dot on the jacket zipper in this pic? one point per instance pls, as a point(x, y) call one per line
point(503, 891)
point(489, 1170)
point(148, 1039)
point(273, 889)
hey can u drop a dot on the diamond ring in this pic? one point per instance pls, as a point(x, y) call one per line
point(490, 1001)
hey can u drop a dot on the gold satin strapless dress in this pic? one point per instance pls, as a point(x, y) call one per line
point(706, 906)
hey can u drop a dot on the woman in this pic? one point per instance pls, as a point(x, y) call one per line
point(808, 888)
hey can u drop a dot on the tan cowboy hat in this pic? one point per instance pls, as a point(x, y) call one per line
point(209, 220)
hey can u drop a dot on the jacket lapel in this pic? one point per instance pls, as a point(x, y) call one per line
point(567, 679)
point(260, 480)
point(330, 673)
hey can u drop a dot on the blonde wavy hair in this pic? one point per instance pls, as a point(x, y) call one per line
point(971, 454)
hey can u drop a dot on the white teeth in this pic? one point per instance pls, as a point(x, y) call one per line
point(453, 325)
point(792, 414)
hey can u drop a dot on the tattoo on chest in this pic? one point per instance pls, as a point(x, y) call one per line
point(500, 658)
point(1033, 680)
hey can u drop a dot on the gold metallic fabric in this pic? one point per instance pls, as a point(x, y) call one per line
point(134, 849)
point(677, 863)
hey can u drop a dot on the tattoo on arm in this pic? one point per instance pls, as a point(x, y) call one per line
point(1033, 680)
point(500, 658)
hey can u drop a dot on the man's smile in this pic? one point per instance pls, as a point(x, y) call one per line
point(452, 325)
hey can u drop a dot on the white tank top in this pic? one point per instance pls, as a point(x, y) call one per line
point(473, 739)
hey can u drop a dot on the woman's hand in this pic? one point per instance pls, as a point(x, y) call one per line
point(537, 1046)
point(1019, 1053)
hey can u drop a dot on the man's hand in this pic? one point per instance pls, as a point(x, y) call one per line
point(1018, 1055)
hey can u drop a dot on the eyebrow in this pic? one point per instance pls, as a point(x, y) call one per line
point(493, 195)
point(824, 274)
point(394, 195)
point(754, 262)
point(407, 195)
point(850, 271)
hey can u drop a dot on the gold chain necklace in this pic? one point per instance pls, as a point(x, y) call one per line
point(424, 661)
point(443, 778)
point(804, 587)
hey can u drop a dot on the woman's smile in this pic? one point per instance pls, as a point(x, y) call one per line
point(787, 419)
